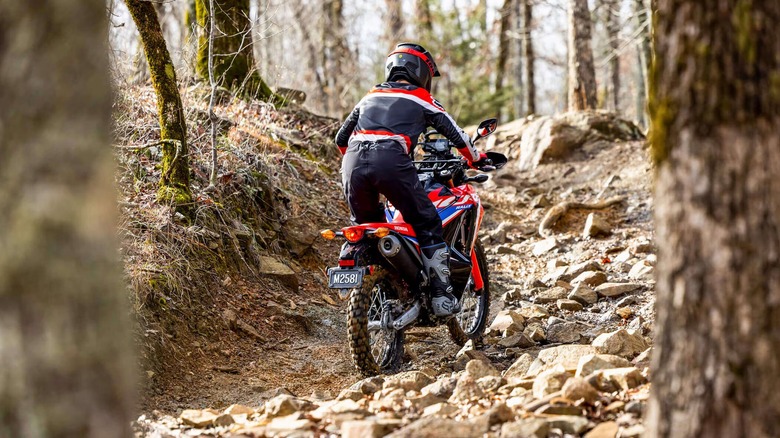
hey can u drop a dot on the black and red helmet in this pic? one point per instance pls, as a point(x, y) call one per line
point(411, 62)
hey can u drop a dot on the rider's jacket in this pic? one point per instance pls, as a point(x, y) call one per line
point(401, 112)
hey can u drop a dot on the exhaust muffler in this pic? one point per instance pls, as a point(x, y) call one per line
point(401, 258)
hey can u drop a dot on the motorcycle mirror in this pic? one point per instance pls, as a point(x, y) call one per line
point(486, 128)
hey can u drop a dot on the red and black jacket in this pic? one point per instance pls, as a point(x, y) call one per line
point(401, 112)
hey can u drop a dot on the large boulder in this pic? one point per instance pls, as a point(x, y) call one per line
point(527, 142)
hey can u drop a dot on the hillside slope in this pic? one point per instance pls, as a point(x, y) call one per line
point(230, 334)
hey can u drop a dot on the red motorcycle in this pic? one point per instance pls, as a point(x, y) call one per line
point(381, 270)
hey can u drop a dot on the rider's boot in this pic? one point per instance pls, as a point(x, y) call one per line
point(436, 259)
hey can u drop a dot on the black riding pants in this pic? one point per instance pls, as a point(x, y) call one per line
point(369, 169)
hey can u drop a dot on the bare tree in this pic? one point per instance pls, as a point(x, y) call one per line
point(715, 111)
point(175, 177)
point(65, 355)
point(582, 74)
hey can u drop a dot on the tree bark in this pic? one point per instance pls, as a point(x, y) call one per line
point(424, 22)
point(612, 23)
point(582, 74)
point(66, 361)
point(503, 46)
point(715, 111)
point(175, 168)
point(395, 18)
point(334, 55)
point(530, 57)
point(642, 13)
point(234, 64)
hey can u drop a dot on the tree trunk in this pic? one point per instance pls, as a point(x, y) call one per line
point(503, 46)
point(335, 55)
point(66, 361)
point(530, 57)
point(612, 23)
point(644, 55)
point(234, 64)
point(582, 74)
point(395, 29)
point(715, 110)
point(175, 169)
point(424, 22)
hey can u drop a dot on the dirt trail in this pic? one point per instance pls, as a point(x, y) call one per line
point(308, 356)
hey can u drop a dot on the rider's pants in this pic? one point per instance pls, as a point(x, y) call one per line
point(371, 168)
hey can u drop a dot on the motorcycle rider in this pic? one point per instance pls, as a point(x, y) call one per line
point(378, 139)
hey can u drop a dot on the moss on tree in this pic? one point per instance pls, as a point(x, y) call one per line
point(175, 169)
point(736, 89)
point(234, 65)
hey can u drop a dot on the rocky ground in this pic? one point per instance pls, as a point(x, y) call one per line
point(566, 352)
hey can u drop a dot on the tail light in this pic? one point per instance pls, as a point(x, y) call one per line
point(353, 234)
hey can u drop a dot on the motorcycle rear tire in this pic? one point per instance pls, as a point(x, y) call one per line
point(476, 328)
point(388, 357)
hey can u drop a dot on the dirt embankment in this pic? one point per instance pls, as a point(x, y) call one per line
point(575, 299)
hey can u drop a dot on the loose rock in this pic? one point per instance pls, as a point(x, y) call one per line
point(532, 427)
point(368, 428)
point(583, 294)
point(595, 225)
point(593, 362)
point(408, 381)
point(551, 295)
point(615, 289)
point(569, 305)
point(550, 381)
point(607, 429)
point(577, 388)
point(566, 332)
point(622, 343)
point(590, 278)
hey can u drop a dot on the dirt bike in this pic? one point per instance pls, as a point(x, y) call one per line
point(380, 268)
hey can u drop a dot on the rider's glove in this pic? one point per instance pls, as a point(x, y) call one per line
point(483, 161)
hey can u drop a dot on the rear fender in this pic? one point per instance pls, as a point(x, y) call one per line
point(360, 254)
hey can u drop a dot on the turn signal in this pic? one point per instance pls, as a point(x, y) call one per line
point(353, 234)
point(381, 232)
point(328, 234)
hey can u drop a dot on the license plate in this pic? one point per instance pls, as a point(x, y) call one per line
point(344, 278)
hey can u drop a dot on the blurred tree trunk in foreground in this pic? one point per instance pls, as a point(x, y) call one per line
point(715, 112)
point(582, 74)
point(65, 356)
point(175, 172)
